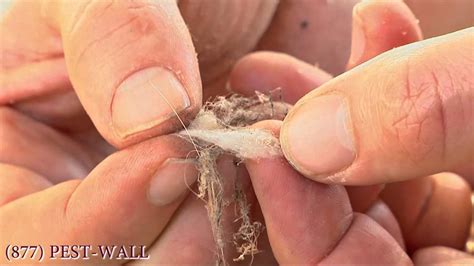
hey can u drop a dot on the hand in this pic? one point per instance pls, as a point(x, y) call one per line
point(66, 74)
point(312, 223)
point(418, 102)
point(103, 43)
point(427, 201)
point(405, 114)
point(76, 73)
point(35, 80)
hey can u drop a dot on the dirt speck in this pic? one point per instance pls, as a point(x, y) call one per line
point(304, 24)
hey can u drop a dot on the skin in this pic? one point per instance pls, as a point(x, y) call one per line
point(432, 199)
point(393, 144)
point(269, 65)
point(59, 78)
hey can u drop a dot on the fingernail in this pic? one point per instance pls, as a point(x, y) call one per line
point(358, 38)
point(172, 180)
point(146, 99)
point(316, 136)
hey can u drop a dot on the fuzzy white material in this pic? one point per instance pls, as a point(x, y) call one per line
point(243, 142)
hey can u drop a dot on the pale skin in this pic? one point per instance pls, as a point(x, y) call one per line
point(68, 76)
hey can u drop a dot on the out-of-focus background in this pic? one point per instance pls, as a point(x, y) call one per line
point(3, 5)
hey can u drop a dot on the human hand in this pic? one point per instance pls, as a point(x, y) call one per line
point(62, 76)
point(61, 149)
point(403, 115)
point(69, 80)
point(427, 202)
point(407, 113)
point(47, 138)
point(313, 223)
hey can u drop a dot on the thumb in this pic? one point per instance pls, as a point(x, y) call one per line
point(132, 64)
point(128, 199)
point(406, 113)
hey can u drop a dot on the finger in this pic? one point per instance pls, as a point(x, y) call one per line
point(31, 52)
point(32, 79)
point(371, 36)
point(126, 200)
point(441, 255)
point(340, 236)
point(132, 63)
point(467, 172)
point(268, 71)
point(365, 232)
point(380, 213)
point(428, 203)
point(367, 126)
point(362, 197)
point(315, 211)
point(16, 182)
point(219, 45)
point(292, 235)
point(33, 73)
point(29, 144)
point(378, 26)
point(321, 28)
point(184, 243)
point(59, 110)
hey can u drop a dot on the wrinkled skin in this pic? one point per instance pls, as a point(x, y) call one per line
point(59, 160)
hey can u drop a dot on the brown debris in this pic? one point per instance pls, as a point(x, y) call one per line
point(221, 128)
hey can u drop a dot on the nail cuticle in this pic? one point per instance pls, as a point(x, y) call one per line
point(151, 124)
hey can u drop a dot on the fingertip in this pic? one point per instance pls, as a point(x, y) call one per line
point(312, 211)
point(378, 26)
point(273, 126)
point(317, 137)
point(147, 99)
point(132, 65)
point(453, 182)
point(382, 214)
point(362, 127)
point(269, 71)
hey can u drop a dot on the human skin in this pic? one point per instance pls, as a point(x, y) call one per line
point(39, 106)
point(420, 116)
point(418, 102)
point(427, 202)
